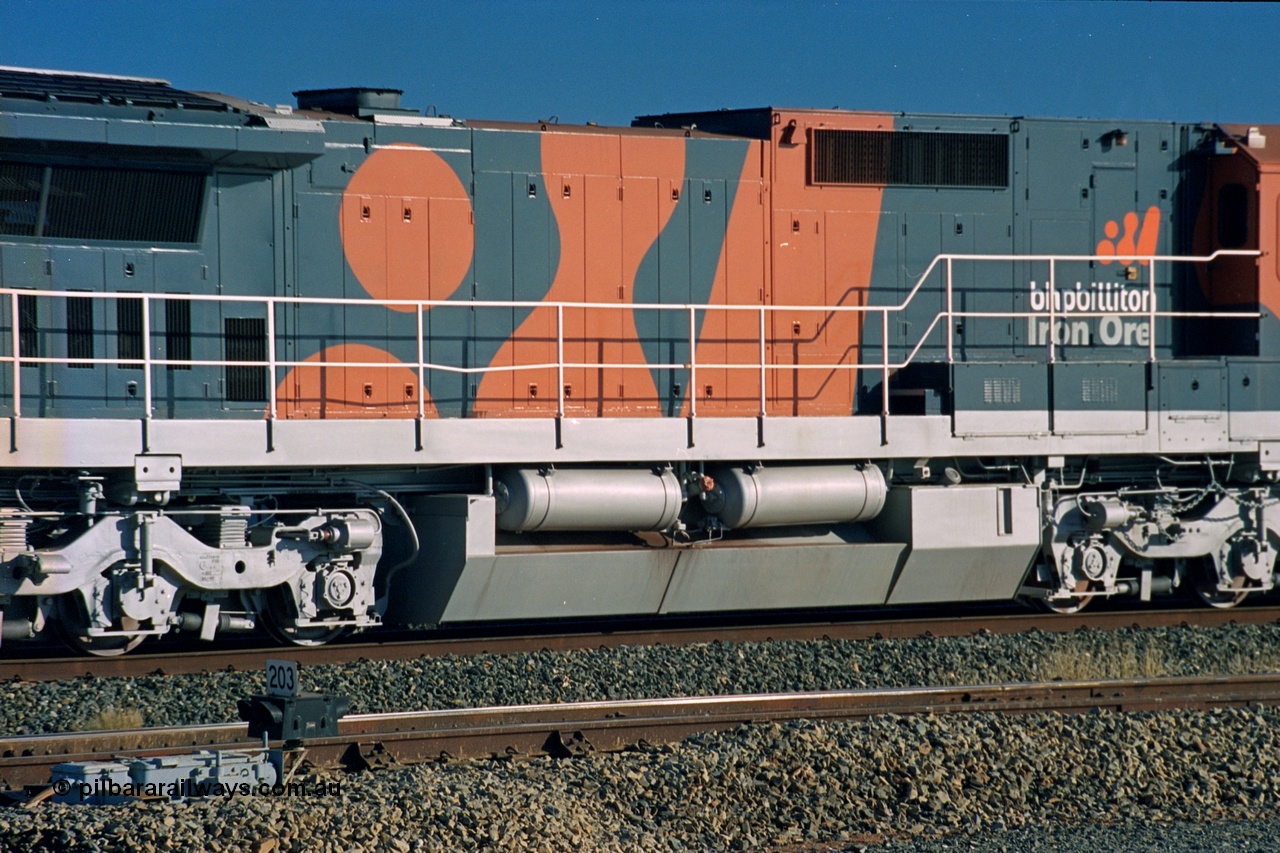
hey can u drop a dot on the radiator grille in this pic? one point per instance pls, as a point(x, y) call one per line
point(910, 158)
point(28, 327)
point(177, 332)
point(80, 330)
point(129, 331)
point(246, 340)
point(99, 203)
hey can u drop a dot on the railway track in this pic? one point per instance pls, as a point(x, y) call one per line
point(563, 730)
point(252, 659)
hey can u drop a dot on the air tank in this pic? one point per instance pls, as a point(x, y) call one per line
point(809, 494)
point(587, 499)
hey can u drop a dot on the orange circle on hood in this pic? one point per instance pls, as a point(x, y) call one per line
point(406, 225)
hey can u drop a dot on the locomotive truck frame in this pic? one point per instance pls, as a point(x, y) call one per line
point(325, 367)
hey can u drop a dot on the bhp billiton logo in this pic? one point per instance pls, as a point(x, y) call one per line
point(1109, 306)
point(1135, 242)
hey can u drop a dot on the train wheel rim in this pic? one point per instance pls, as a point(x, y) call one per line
point(72, 626)
point(1207, 590)
point(273, 616)
point(1070, 604)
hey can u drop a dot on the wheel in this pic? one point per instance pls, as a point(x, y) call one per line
point(72, 625)
point(273, 610)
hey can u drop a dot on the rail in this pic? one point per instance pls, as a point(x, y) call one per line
point(574, 728)
point(1147, 311)
point(61, 665)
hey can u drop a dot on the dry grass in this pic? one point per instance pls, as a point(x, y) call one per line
point(110, 719)
point(1262, 660)
point(1070, 664)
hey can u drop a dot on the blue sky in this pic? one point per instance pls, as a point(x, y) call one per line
point(608, 61)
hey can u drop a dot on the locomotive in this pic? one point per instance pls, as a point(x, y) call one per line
point(327, 366)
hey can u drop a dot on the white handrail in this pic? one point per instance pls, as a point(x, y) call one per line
point(948, 314)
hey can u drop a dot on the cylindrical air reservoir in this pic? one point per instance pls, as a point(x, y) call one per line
point(800, 494)
point(1106, 513)
point(587, 499)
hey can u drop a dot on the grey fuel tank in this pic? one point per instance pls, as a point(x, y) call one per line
point(587, 499)
point(795, 494)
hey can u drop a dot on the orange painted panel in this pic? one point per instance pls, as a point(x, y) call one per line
point(363, 224)
point(791, 161)
point(386, 220)
point(449, 227)
point(732, 337)
point(651, 167)
point(315, 390)
point(799, 280)
point(606, 223)
point(848, 279)
point(823, 245)
point(602, 340)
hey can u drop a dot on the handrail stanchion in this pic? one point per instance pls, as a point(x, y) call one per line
point(17, 357)
point(1151, 313)
point(559, 375)
point(271, 358)
point(763, 379)
point(1053, 312)
point(693, 362)
point(422, 380)
point(764, 400)
point(884, 379)
point(950, 319)
point(560, 360)
point(146, 374)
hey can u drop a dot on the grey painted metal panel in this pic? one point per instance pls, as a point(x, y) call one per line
point(1253, 394)
point(57, 442)
point(968, 543)
point(1247, 426)
point(1193, 400)
point(560, 585)
point(1099, 397)
point(761, 578)
point(244, 441)
point(24, 266)
point(458, 576)
point(451, 529)
point(241, 145)
point(55, 128)
point(1001, 399)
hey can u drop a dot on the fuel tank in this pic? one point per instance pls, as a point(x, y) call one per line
point(587, 499)
point(797, 494)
